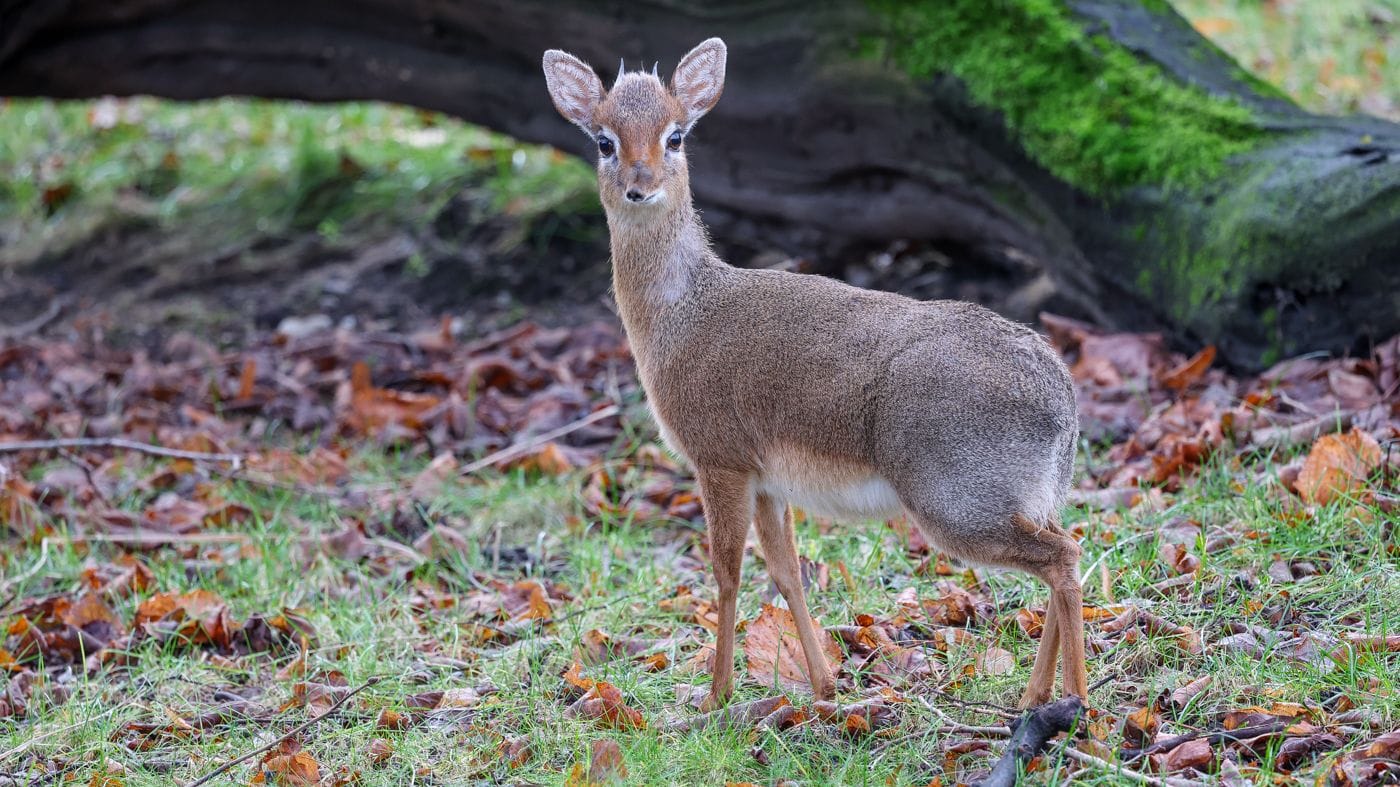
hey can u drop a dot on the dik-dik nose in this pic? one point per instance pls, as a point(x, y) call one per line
point(640, 182)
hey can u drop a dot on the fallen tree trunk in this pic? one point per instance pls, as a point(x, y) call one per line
point(1102, 139)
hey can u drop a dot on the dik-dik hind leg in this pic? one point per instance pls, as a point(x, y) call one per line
point(774, 524)
point(728, 501)
point(1046, 660)
point(1053, 555)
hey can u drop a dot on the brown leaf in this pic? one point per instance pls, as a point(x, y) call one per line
point(1338, 465)
point(1245, 717)
point(1183, 696)
point(391, 720)
point(379, 751)
point(995, 661)
point(1140, 727)
point(956, 607)
point(1196, 754)
point(601, 701)
point(1031, 621)
point(606, 763)
point(774, 652)
point(515, 751)
point(1178, 558)
point(460, 697)
point(290, 766)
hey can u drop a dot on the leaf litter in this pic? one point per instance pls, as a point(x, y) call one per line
point(1164, 416)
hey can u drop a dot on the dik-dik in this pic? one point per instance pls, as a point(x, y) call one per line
point(786, 388)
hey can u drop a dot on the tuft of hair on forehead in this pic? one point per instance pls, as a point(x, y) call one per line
point(640, 99)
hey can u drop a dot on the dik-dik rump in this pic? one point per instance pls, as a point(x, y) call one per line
point(782, 388)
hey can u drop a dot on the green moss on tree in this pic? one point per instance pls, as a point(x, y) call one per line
point(1086, 109)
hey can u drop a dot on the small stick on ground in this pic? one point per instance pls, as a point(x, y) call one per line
point(1127, 773)
point(1210, 736)
point(1032, 734)
point(118, 442)
point(299, 728)
point(519, 449)
point(37, 322)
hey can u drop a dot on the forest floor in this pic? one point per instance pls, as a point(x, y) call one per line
point(325, 555)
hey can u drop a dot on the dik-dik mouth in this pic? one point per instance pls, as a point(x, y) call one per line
point(635, 197)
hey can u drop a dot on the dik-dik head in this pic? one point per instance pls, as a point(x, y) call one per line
point(640, 125)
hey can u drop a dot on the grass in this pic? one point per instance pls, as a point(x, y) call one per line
point(370, 623)
point(236, 166)
point(1333, 57)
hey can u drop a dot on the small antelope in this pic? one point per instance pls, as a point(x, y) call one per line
point(785, 388)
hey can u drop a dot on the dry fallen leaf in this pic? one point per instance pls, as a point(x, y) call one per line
point(606, 763)
point(995, 661)
point(290, 766)
point(1196, 754)
point(1338, 465)
point(379, 751)
point(774, 652)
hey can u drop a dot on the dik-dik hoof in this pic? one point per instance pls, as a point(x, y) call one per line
point(714, 702)
point(1033, 698)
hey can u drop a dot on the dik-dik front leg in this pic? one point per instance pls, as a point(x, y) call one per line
point(728, 500)
point(774, 525)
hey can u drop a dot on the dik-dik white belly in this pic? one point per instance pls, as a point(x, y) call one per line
point(834, 488)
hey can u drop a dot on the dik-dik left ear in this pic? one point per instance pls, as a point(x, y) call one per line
point(574, 88)
point(699, 79)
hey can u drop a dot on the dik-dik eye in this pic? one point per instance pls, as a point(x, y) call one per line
point(606, 147)
point(674, 141)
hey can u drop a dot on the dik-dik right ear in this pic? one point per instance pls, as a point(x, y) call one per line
point(574, 88)
point(699, 78)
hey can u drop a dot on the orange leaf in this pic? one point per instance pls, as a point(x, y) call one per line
point(1187, 372)
point(1338, 465)
point(246, 379)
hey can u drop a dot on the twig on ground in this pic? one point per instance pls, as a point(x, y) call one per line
point(33, 324)
point(1036, 729)
point(1210, 736)
point(118, 442)
point(974, 705)
point(1101, 682)
point(519, 449)
point(206, 778)
point(1128, 773)
point(949, 725)
point(1305, 432)
point(87, 468)
point(954, 725)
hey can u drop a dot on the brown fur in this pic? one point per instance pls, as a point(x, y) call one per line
point(780, 387)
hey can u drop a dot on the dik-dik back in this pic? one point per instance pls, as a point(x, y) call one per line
point(781, 387)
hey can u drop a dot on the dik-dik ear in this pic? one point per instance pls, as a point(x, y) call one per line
point(574, 88)
point(699, 79)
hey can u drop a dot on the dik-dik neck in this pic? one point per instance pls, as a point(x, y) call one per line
point(656, 257)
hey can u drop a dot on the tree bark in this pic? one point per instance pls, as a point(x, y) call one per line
point(851, 121)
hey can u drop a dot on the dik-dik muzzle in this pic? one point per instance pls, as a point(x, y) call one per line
point(639, 182)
